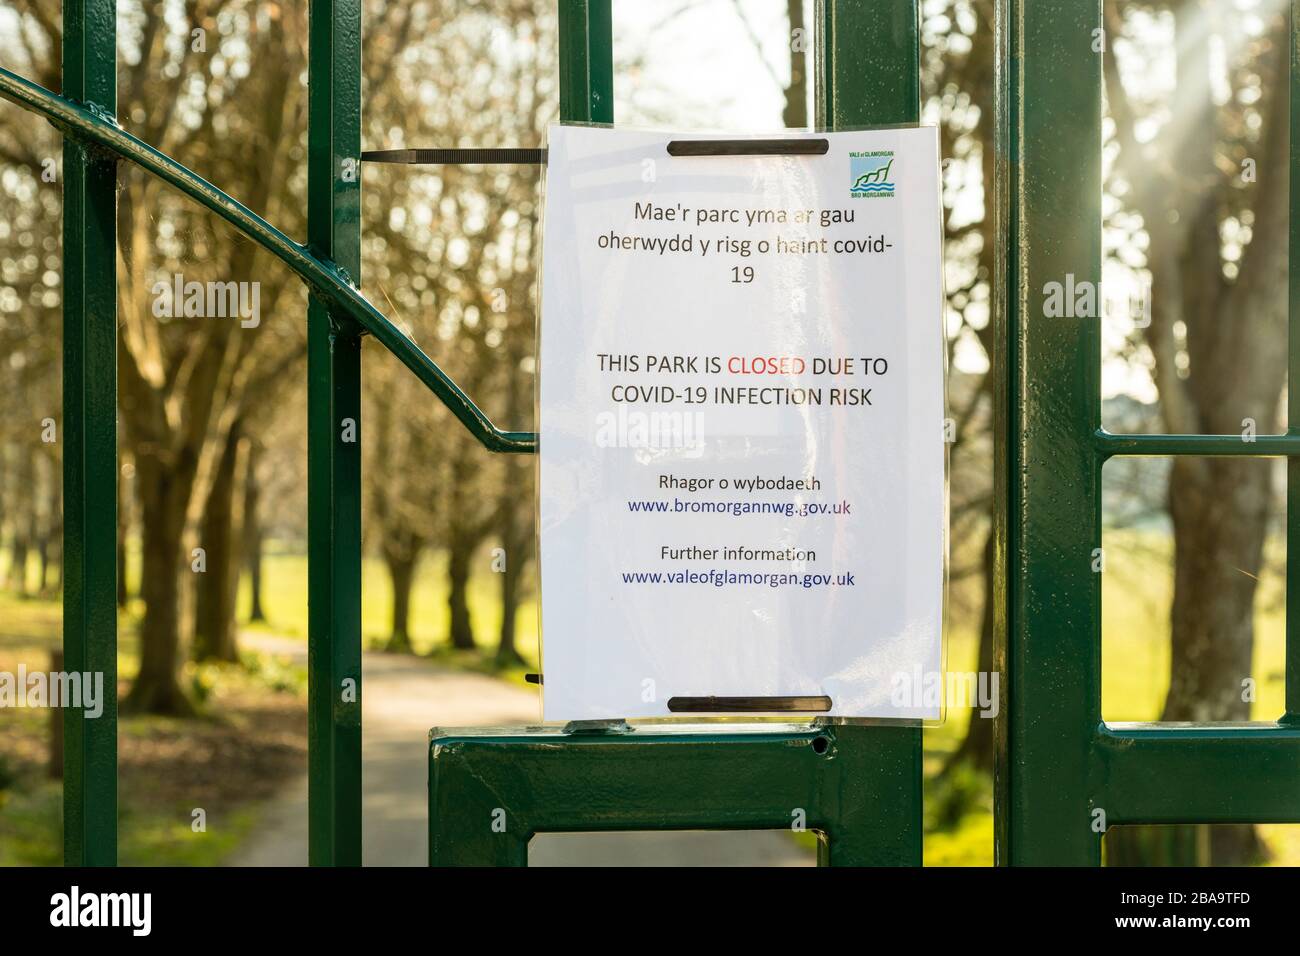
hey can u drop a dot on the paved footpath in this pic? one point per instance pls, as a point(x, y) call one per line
point(402, 698)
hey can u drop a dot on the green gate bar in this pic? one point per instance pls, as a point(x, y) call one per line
point(334, 441)
point(586, 61)
point(90, 437)
point(1058, 765)
point(491, 790)
point(859, 788)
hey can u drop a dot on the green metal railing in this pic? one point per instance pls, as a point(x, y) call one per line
point(1057, 762)
point(859, 787)
point(863, 785)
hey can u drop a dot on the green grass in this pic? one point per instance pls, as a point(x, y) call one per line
point(284, 601)
point(32, 823)
point(162, 775)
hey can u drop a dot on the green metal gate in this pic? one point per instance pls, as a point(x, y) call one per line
point(859, 787)
point(862, 786)
point(1058, 763)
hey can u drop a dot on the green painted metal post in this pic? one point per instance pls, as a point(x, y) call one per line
point(334, 440)
point(1048, 486)
point(871, 76)
point(870, 69)
point(586, 61)
point(90, 437)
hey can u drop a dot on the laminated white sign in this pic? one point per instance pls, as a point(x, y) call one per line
point(743, 493)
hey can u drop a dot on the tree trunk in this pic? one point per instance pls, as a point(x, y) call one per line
point(458, 564)
point(255, 611)
point(21, 510)
point(123, 532)
point(18, 558)
point(54, 529)
point(1220, 509)
point(156, 689)
point(43, 561)
point(253, 533)
point(43, 521)
point(401, 571)
point(215, 589)
point(55, 765)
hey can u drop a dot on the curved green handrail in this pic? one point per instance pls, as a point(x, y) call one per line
point(322, 276)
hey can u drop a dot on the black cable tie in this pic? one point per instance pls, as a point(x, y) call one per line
point(505, 156)
point(749, 147)
point(724, 705)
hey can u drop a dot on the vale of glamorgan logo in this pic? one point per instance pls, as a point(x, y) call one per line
point(871, 174)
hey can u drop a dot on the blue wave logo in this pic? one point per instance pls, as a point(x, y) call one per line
point(871, 175)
